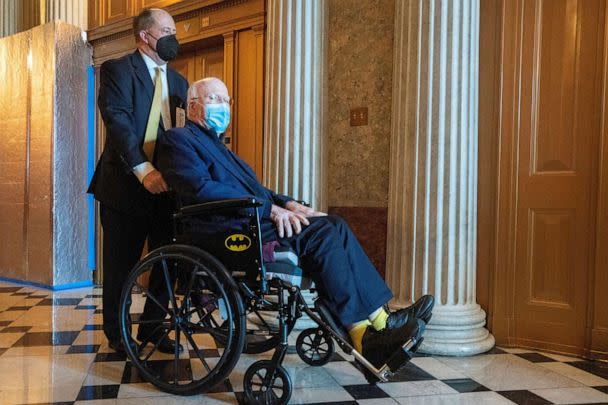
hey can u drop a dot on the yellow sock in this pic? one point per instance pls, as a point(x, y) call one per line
point(356, 332)
point(378, 319)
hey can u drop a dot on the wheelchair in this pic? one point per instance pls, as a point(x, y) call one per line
point(215, 311)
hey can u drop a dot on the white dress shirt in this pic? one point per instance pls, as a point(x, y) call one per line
point(143, 169)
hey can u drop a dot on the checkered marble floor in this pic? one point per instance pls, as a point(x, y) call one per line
point(52, 350)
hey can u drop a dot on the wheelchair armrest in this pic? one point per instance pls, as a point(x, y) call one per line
point(304, 203)
point(213, 206)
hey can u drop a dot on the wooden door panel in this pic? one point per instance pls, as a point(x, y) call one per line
point(556, 127)
point(117, 9)
point(185, 66)
point(551, 268)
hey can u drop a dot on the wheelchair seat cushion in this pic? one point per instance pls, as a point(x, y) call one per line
point(288, 273)
point(285, 255)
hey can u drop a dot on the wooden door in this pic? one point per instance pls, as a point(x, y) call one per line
point(205, 62)
point(550, 128)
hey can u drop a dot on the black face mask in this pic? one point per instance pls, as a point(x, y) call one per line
point(167, 47)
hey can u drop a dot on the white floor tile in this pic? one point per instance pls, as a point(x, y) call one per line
point(508, 372)
point(377, 401)
point(416, 388)
point(139, 390)
point(35, 395)
point(312, 395)
point(436, 368)
point(344, 373)
point(575, 373)
point(206, 399)
point(583, 395)
point(105, 373)
point(470, 398)
point(44, 371)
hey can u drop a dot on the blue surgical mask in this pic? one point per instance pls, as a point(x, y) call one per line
point(217, 117)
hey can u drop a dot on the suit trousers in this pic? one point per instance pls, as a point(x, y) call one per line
point(346, 279)
point(123, 241)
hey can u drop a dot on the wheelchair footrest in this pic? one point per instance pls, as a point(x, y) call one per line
point(400, 357)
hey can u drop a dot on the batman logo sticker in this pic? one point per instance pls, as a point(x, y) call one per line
point(237, 242)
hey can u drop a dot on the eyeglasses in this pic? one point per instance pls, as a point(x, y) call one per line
point(216, 99)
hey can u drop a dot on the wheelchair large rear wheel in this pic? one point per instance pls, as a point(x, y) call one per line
point(152, 311)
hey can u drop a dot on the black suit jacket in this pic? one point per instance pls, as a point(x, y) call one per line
point(199, 167)
point(125, 98)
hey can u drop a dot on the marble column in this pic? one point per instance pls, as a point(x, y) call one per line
point(72, 12)
point(8, 17)
point(433, 170)
point(294, 111)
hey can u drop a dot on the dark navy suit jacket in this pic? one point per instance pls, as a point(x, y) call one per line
point(125, 98)
point(199, 167)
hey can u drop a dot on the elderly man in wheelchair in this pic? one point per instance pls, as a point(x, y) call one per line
point(240, 249)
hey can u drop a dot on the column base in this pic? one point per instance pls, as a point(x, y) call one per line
point(457, 330)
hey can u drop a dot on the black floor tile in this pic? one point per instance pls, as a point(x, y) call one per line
point(94, 296)
point(604, 389)
point(594, 367)
point(206, 353)
point(164, 370)
point(20, 294)
point(92, 327)
point(5, 323)
point(15, 329)
point(38, 296)
point(224, 386)
point(411, 373)
point(60, 301)
point(465, 385)
point(535, 357)
point(336, 403)
point(112, 356)
point(77, 349)
point(89, 307)
point(9, 289)
point(130, 375)
point(365, 391)
point(18, 308)
point(46, 339)
point(495, 350)
point(92, 392)
point(524, 397)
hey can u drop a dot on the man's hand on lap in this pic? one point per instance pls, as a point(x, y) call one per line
point(302, 209)
point(287, 222)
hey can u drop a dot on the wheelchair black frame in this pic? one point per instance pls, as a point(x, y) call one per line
point(296, 302)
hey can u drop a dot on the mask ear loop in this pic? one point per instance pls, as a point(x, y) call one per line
point(154, 49)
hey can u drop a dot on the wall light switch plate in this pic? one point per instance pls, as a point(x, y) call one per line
point(358, 116)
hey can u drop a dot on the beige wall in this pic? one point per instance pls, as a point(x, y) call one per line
point(360, 69)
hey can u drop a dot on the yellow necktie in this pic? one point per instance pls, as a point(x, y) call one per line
point(153, 118)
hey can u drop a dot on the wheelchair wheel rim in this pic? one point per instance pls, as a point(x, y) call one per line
point(191, 371)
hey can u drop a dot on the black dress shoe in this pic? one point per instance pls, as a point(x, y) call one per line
point(421, 309)
point(119, 347)
point(167, 345)
point(379, 346)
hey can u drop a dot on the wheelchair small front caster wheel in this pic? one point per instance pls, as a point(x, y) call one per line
point(265, 387)
point(315, 346)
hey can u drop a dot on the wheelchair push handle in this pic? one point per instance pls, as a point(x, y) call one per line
point(214, 206)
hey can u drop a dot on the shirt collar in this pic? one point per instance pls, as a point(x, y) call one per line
point(151, 64)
